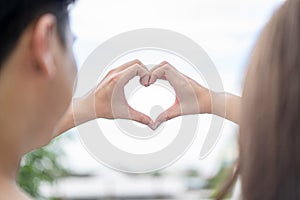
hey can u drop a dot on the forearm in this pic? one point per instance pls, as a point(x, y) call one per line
point(79, 112)
point(227, 106)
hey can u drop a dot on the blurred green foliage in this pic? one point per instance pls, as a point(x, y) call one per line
point(217, 182)
point(192, 173)
point(41, 166)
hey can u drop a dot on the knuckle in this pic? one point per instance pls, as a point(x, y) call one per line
point(164, 62)
point(136, 66)
point(167, 64)
point(114, 79)
point(112, 71)
point(137, 61)
point(166, 67)
point(140, 70)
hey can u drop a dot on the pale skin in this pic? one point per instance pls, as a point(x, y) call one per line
point(206, 99)
point(36, 84)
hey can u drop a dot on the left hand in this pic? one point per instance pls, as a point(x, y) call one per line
point(191, 97)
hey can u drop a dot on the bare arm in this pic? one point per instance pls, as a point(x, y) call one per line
point(231, 106)
point(80, 108)
point(222, 104)
point(193, 98)
point(107, 100)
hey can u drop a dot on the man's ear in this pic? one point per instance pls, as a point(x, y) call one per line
point(42, 40)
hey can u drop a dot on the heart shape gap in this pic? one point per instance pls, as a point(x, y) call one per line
point(149, 100)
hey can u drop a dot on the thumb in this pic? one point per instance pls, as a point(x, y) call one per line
point(139, 117)
point(170, 113)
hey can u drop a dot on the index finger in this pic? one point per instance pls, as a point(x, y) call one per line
point(132, 71)
point(128, 64)
point(167, 72)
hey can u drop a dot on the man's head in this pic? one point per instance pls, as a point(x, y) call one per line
point(16, 15)
point(37, 67)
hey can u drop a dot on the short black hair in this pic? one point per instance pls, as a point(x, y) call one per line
point(16, 15)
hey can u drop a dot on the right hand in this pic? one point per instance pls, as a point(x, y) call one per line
point(109, 97)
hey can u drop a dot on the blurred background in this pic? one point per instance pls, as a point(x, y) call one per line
point(226, 29)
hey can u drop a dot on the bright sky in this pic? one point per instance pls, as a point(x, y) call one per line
point(226, 29)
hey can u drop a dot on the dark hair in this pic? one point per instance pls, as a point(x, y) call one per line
point(16, 15)
point(269, 161)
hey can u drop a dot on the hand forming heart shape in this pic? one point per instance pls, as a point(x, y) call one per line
point(190, 96)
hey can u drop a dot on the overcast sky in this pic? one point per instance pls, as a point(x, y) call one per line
point(226, 29)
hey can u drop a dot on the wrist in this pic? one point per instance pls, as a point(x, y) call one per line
point(205, 100)
point(83, 110)
point(218, 103)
